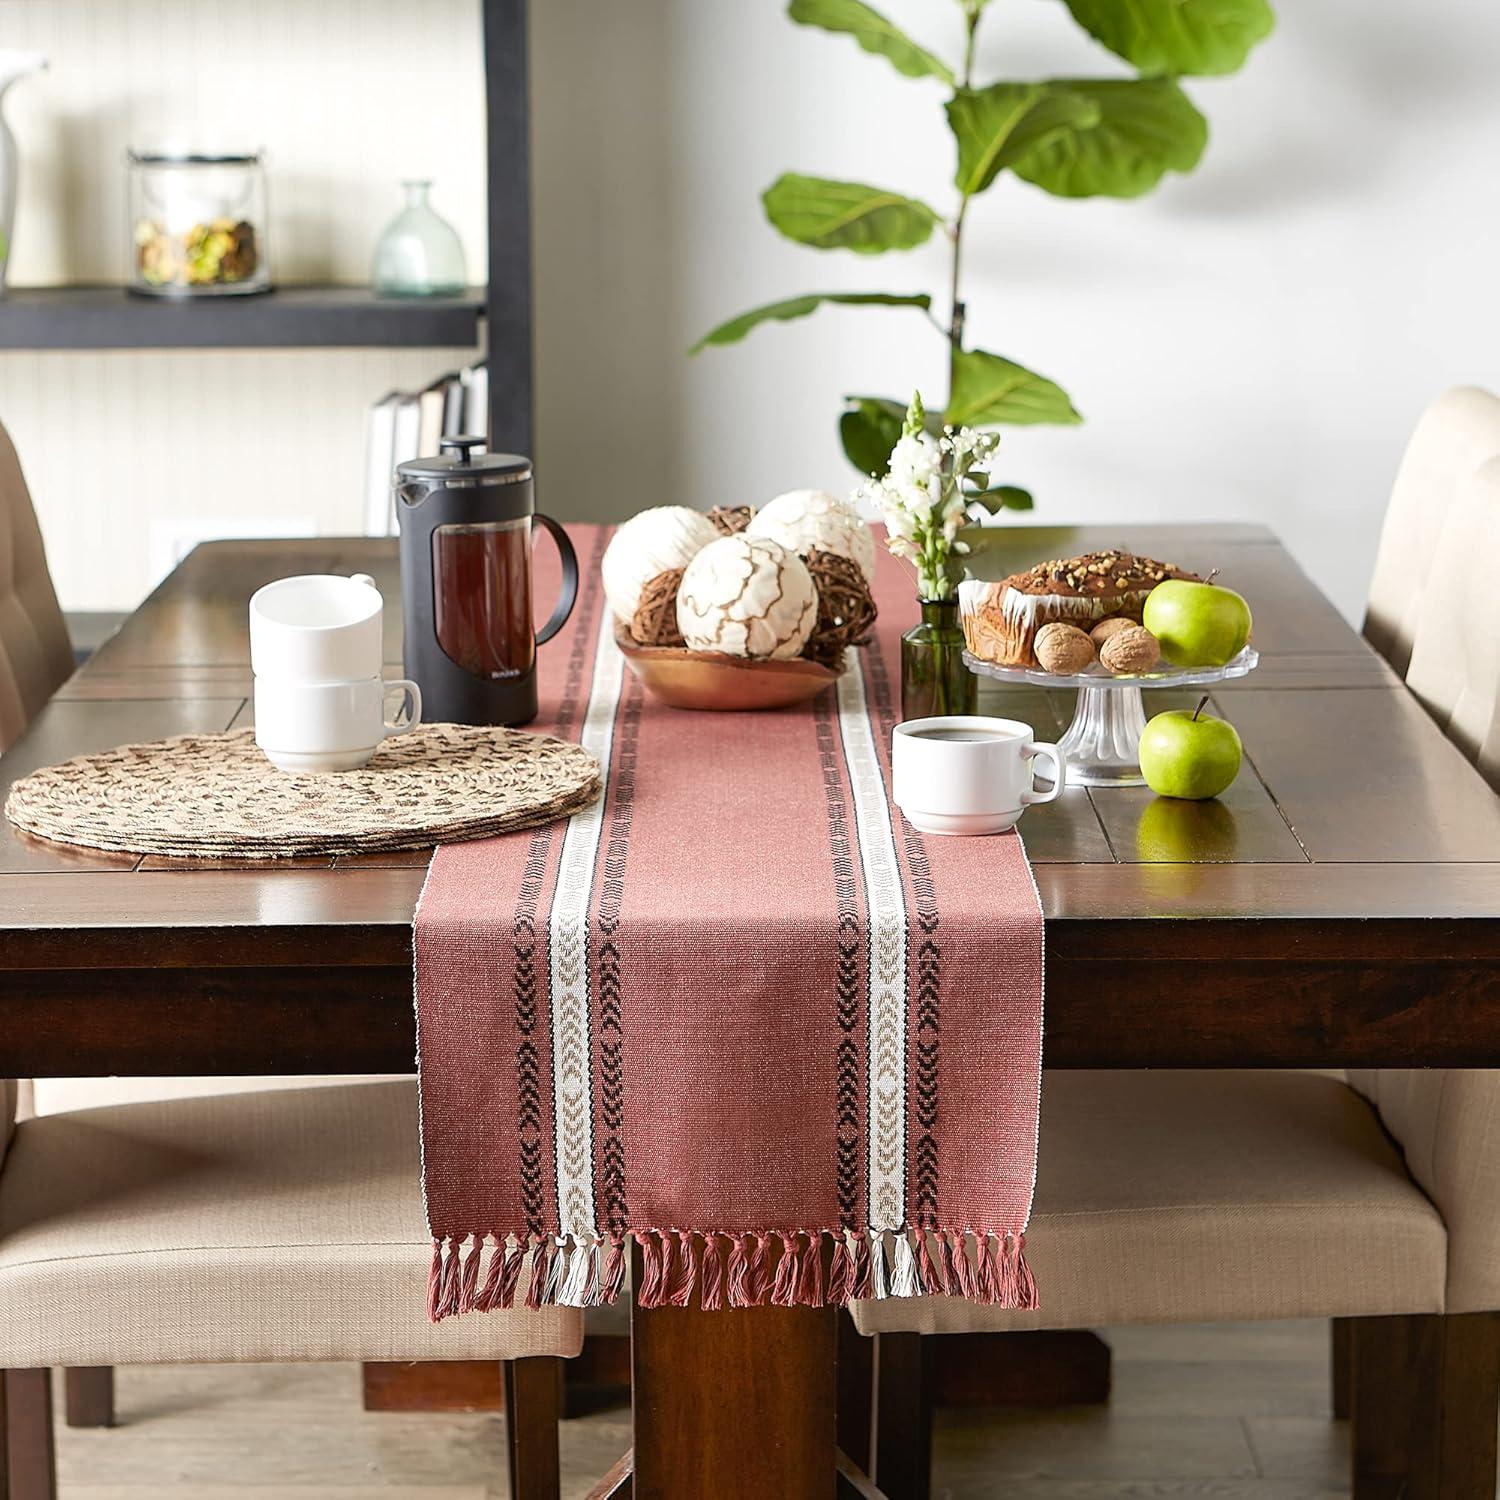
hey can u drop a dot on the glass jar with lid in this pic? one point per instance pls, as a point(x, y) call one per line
point(198, 223)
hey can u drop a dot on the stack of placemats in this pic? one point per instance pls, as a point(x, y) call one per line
point(216, 796)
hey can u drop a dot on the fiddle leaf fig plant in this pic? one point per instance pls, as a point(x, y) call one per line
point(1071, 137)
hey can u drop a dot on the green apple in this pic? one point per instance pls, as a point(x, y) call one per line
point(1186, 755)
point(1197, 624)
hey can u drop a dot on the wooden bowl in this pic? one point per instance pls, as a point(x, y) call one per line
point(727, 684)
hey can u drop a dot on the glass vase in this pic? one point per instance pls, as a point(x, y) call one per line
point(934, 679)
point(419, 253)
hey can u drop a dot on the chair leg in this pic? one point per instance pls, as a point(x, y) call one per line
point(89, 1396)
point(533, 1406)
point(903, 1415)
point(856, 1392)
point(30, 1463)
point(1426, 1393)
point(1341, 1365)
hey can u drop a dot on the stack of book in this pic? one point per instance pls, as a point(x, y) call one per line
point(411, 424)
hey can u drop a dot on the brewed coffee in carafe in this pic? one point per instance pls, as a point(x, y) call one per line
point(481, 590)
point(466, 530)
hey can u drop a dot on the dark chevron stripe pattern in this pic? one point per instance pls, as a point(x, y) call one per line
point(607, 966)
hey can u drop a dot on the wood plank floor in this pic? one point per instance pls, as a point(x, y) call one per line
point(1224, 1413)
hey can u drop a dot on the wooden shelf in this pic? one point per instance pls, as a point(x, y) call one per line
point(294, 317)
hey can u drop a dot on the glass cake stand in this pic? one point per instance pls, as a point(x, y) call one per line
point(1103, 742)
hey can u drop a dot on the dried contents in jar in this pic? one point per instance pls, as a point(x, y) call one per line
point(218, 253)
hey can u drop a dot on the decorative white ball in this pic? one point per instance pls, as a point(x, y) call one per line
point(747, 596)
point(803, 519)
point(666, 536)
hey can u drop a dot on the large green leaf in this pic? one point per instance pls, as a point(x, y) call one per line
point(989, 391)
point(995, 126)
point(799, 307)
point(831, 215)
point(874, 33)
point(1146, 128)
point(1177, 36)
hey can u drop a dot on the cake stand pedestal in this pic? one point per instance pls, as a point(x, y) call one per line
point(1103, 743)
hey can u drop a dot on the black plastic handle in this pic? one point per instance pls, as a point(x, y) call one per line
point(569, 595)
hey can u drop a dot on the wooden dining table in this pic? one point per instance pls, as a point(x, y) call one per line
point(1338, 906)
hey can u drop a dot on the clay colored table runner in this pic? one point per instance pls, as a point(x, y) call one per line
point(734, 1007)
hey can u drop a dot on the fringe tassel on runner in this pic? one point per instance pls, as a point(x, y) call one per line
point(782, 1268)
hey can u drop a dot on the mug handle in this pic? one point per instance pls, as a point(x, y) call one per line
point(411, 706)
point(569, 593)
point(1060, 773)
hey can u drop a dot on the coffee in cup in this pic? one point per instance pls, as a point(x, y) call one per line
point(969, 774)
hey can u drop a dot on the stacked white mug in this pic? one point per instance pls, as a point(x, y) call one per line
point(315, 649)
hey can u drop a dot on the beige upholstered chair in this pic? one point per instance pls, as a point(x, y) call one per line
point(1455, 656)
point(1197, 1196)
point(172, 1220)
point(270, 1225)
point(1457, 433)
point(35, 654)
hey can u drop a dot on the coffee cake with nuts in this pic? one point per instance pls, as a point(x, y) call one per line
point(1000, 620)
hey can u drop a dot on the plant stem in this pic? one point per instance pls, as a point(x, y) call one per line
point(955, 303)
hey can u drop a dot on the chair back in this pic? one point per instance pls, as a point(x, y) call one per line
point(1447, 1123)
point(1457, 433)
point(36, 656)
point(1455, 654)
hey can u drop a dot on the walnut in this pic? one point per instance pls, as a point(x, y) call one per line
point(1130, 651)
point(1112, 625)
point(1063, 649)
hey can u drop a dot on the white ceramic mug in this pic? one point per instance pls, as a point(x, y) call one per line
point(317, 627)
point(969, 774)
point(329, 726)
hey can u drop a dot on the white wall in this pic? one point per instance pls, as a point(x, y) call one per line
point(1253, 341)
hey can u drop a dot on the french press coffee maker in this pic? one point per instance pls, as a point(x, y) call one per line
point(466, 523)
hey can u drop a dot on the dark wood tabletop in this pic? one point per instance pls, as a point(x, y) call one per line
point(1339, 905)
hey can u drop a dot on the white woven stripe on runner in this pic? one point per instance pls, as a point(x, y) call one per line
point(568, 946)
point(885, 900)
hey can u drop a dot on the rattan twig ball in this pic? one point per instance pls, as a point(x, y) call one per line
point(655, 620)
point(731, 518)
point(846, 609)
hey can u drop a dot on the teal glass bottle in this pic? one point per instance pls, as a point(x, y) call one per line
point(419, 253)
point(934, 679)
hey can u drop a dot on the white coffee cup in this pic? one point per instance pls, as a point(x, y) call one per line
point(329, 726)
point(317, 627)
point(966, 773)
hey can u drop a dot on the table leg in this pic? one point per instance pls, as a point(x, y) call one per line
point(733, 1403)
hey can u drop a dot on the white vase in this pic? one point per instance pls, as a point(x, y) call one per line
point(13, 65)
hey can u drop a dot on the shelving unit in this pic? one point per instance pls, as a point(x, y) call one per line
point(308, 317)
point(294, 317)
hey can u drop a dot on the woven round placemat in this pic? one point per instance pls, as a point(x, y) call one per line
point(216, 796)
